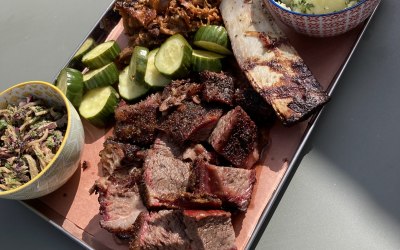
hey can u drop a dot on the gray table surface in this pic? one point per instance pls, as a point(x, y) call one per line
point(345, 192)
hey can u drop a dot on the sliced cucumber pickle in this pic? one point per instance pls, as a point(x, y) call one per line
point(101, 55)
point(173, 59)
point(86, 46)
point(138, 63)
point(104, 76)
point(70, 82)
point(213, 38)
point(153, 77)
point(129, 88)
point(205, 60)
point(98, 105)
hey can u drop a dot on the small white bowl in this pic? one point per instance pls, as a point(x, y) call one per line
point(325, 25)
point(66, 160)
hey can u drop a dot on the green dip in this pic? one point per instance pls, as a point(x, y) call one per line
point(316, 6)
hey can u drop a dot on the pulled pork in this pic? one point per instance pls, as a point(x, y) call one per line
point(149, 22)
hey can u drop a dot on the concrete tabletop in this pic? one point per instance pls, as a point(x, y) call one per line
point(345, 192)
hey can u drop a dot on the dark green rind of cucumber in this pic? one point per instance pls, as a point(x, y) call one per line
point(174, 57)
point(101, 55)
point(70, 82)
point(87, 45)
point(104, 76)
point(205, 60)
point(153, 77)
point(128, 88)
point(138, 63)
point(213, 38)
point(98, 105)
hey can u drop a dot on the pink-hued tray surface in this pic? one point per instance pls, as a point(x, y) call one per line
point(72, 208)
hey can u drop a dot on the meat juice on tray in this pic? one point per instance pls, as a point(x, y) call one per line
point(180, 161)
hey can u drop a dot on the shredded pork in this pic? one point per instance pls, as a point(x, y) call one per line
point(149, 22)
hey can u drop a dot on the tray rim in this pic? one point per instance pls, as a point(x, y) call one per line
point(279, 191)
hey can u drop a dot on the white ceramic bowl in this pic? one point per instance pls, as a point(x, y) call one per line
point(325, 25)
point(66, 160)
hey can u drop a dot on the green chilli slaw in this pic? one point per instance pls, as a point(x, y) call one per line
point(30, 135)
point(316, 6)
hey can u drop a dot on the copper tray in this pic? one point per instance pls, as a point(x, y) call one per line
point(72, 210)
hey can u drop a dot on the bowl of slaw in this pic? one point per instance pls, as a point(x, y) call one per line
point(41, 140)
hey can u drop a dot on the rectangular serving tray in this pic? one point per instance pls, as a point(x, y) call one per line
point(73, 211)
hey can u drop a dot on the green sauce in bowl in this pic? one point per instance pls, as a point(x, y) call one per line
point(316, 6)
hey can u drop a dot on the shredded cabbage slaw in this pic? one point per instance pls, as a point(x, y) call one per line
point(30, 135)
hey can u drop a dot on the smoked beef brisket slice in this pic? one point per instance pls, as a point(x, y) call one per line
point(191, 122)
point(137, 123)
point(164, 177)
point(116, 155)
point(233, 186)
point(163, 144)
point(218, 87)
point(190, 229)
point(209, 230)
point(235, 138)
point(119, 198)
point(160, 230)
point(167, 181)
point(120, 203)
point(198, 151)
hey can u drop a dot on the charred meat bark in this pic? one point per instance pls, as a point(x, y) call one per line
point(235, 138)
point(233, 186)
point(137, 123)
point(218, 87)
point(209, 230)
point(160, 230)
point(255, 106)
point(191, 122)
point(116, 155)
point(179, 91)
point(272, 65)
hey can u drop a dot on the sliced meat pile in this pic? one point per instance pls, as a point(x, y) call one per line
point(178, 164)
point(187, 229)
